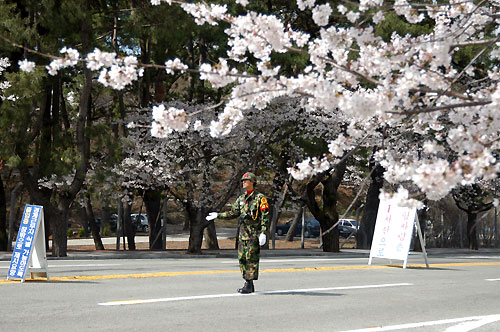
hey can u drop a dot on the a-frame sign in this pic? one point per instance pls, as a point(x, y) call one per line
point(29, 255)
point(394, 231)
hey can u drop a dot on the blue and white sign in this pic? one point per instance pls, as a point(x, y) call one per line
point(30, 244)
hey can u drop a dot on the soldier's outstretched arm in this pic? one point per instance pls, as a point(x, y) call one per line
point(233, 213)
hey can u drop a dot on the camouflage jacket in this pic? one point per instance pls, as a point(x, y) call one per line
point(253, 211)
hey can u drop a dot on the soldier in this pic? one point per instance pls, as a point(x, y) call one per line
point(253, 212)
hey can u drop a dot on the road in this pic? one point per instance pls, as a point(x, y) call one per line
point(323, 293)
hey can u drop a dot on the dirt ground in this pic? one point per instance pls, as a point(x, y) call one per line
point(223, 244)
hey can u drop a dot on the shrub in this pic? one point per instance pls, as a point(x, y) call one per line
point(81, 232)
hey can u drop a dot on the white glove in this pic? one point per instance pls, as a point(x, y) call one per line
point(211, 216)
point(262, 239)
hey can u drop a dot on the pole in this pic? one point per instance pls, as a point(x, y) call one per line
point(273, 226)
point(119, 223)
point(303, 226)
point(164, 225)
point(496, 228)
point(276, 208)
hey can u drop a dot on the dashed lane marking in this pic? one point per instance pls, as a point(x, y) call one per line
point(305, 269)
point(216, 296)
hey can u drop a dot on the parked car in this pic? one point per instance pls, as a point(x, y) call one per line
point(141, 225)
point(351, 223)
point(348, 226)
point(113, 221)
point(97, 222)
point(311, 229)
point(345, 231)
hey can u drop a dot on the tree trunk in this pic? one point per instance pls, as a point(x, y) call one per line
point(152, 200)
point(3, 217)
point(472, 231)
point(196, 226)
point(94, 229)
point(327, 214)
point(84, 221)
point(59, 225)
point(367, 224)
point(295, 222)
point(13, 215)
point(330, 198)
point(211, 236)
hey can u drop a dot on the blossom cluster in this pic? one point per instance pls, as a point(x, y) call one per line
point(71, 58)
point(114, 71)
point(26, 65)
point(4, 85)
point(167, 120)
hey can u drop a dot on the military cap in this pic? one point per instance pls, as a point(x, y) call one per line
point(249, 176)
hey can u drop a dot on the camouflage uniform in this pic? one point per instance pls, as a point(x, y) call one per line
point(253, 212)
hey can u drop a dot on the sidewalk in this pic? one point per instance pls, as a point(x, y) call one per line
point(177, 243)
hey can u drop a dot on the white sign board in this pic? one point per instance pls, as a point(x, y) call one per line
point(393, 232)
point(29, 252)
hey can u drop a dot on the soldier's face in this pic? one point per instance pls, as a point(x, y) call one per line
point(247, 184)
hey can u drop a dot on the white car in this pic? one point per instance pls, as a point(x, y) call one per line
point(351, 223)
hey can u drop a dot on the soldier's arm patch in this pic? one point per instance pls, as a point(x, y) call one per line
point(263, 204)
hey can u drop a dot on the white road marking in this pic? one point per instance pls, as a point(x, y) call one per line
point(497, 279)
point(471, 325)
point(476, 257)
point(214, 296)
point(475, 321)
point(300, 260)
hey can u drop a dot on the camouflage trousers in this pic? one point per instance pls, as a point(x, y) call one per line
point(248, 256)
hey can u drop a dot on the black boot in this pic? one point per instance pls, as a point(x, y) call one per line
point(247, 287)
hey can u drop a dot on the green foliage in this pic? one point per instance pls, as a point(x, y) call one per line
point(106, 231)
point(81, 232)
point(70, 232)
point(396, 24)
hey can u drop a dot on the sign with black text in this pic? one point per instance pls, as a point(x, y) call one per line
point(29, 250)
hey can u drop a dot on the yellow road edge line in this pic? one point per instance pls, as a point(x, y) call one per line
point(185, 273)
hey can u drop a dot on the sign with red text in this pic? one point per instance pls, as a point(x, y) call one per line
point(393, 231)
point(29, 251)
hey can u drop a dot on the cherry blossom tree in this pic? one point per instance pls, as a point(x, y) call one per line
point(201, 171)
point(473, 200)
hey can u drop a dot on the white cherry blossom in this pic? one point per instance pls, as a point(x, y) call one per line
point(321, 14)
point(26, 66)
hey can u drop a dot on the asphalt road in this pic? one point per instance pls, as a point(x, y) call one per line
point(456, 294)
